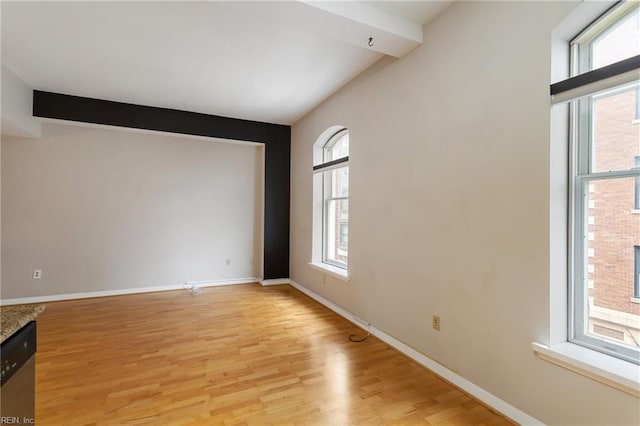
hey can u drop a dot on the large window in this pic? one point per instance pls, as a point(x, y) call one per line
point(333, 174)
point(605, 315)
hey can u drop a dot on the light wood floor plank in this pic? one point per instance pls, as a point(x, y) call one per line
point(237, 355)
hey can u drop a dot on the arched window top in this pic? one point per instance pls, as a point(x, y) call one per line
point(331, 148)
point(337, 146)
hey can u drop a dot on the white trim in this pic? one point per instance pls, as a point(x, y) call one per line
point(329, 304)
point(217, 283)
point(332, 271)
point(278, 281)
point(123, 291)
point(614, 372)
point(476, 391)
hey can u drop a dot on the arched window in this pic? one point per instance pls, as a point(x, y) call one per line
point(331, 201)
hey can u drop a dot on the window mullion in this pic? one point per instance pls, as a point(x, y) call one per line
point(327, 187)
point(616, 174)
point(579, 285)
point(584, 136)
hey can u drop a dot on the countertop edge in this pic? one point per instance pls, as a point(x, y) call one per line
point(13, 318)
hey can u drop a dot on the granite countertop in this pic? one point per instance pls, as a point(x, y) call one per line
point(13, 318)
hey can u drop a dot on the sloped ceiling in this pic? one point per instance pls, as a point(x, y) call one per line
point(264, 61)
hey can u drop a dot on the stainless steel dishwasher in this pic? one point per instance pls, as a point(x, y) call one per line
point(17, 379)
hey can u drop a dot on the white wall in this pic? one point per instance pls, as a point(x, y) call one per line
point(15, 110)
point(0, 217)
point(17, 105)
point(449, 207)
point(101, 209)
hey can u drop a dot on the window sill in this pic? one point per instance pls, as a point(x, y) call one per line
point(332, 271)
point(635, 300)
point(622, 375)
point(635, 211)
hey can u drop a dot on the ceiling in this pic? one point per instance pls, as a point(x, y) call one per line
point(264, 61)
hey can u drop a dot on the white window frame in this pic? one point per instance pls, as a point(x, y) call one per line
point(636, 272)
point(323, 166)
point(556, 347)
point(636, 189)
point(581, 139)
point(327, 180)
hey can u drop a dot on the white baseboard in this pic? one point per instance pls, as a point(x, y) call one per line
point(278, 281)
point(476, 391)
point(217, 283)
point(123, 291)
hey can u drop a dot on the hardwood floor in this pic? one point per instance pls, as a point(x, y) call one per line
point(229, 355)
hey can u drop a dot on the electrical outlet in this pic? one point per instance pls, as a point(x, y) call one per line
point(228, 262)
point(436, 322)
point(37, 274)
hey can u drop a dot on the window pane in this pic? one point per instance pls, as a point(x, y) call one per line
point(337, 147)
point(620, 42)
point(338, 182)
point(612, 233)
point(337, 232)
point(606, 222)
point(616, 134)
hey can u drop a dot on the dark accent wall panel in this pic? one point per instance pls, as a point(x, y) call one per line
point(276, 200)
point(276, 137)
